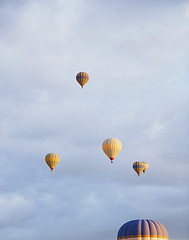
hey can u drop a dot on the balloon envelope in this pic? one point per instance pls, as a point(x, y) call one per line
point(82, 78)
point(52, 159)
point(112, 147)
point(145, 165)
point(142, 229)
point(138, 167)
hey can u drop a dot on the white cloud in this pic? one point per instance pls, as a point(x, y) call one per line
point(155, 130)
point(186, 8)
point(15, 209)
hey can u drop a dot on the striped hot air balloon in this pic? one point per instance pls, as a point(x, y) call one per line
point(138, 167)
point(82, 78)
point(142, 229)
point(112, 147)
point(145, 165)
point(52, 159)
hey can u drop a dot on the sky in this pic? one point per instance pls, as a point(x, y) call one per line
point(136, 54)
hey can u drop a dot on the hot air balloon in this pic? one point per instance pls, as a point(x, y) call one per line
point(112, 147)
point(142, 229)
point(138, 167)
point(145, 165)
point(82, 78)
point(52, 159)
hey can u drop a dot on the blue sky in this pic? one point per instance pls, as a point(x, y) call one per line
point(136, 54)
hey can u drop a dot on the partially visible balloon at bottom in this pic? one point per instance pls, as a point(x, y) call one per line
point(142, 229)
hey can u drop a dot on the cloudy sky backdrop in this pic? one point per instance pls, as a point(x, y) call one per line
point(136, 54)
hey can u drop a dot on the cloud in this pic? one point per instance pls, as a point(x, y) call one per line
point(186, 8)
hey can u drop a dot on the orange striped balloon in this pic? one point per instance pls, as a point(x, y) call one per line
point(82, 78)
point(112, 147)
point(52, 159)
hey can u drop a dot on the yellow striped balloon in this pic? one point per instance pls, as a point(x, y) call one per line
point(138, 167)
point(82, 78)
point(52, 159)
point(145, 165)
point(112, 147)
point(142, 229)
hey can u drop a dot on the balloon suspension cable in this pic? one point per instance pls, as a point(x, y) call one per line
point(51, 169)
